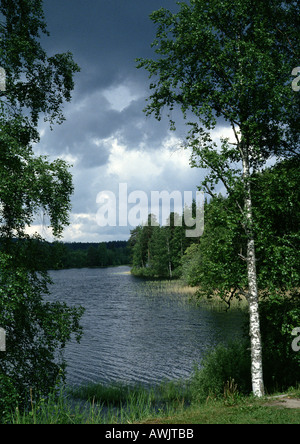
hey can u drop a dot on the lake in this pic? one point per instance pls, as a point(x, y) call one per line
point(134, 330)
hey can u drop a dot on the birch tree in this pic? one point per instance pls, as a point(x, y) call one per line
point(35, 86)
point(228, 63)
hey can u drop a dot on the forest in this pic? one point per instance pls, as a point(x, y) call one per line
point(62, 255)
point(217, 259)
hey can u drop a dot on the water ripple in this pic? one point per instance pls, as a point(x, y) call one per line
point(135, 333)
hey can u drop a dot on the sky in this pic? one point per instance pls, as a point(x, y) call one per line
point(107, 137)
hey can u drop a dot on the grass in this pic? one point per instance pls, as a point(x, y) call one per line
point(216, 393)
point(191, 294)
point(169, 403)
point(100, 404)
point(131, 403)
point(119, 393)
point(246, 411)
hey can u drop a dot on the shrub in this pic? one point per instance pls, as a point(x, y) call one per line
point(279, 316)
point(9, 398)
point(220, 367)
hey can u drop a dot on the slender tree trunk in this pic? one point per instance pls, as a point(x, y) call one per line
point(169, 256)
point(256, 346)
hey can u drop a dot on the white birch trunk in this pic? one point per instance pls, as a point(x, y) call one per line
point(256, 346)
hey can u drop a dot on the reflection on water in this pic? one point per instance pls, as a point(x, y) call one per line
point(134, 330)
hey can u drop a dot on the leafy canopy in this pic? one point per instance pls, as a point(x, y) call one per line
point(35, 85)
point(230, 60)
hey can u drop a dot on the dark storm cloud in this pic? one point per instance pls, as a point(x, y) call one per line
point(105, 36)
point(91, 121)
point(106, 135)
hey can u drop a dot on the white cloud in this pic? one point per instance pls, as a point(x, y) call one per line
point(120, 97)
point(147, 167)
point(132, 165)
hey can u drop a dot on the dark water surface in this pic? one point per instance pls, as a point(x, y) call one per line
point(133, 330)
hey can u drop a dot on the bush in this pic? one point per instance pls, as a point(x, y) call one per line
point(279, 316)
point(9, 398)
point(36, 331)
point(225, 366)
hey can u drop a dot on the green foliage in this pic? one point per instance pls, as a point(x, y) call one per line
point(36, 331)
point(29, 183)
point(36, 86)
point(191, 265)
point(229, 60)
point(220, 244)
point(279, 316)
point(216, 263)
point(9, 398)
point(226, 368)
point(158, 250)
point(141, 409)
point(60, 255)
point(219, 368)
point(277, 221)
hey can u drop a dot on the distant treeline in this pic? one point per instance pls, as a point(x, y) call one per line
point(59, 255)
point(158, 250)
